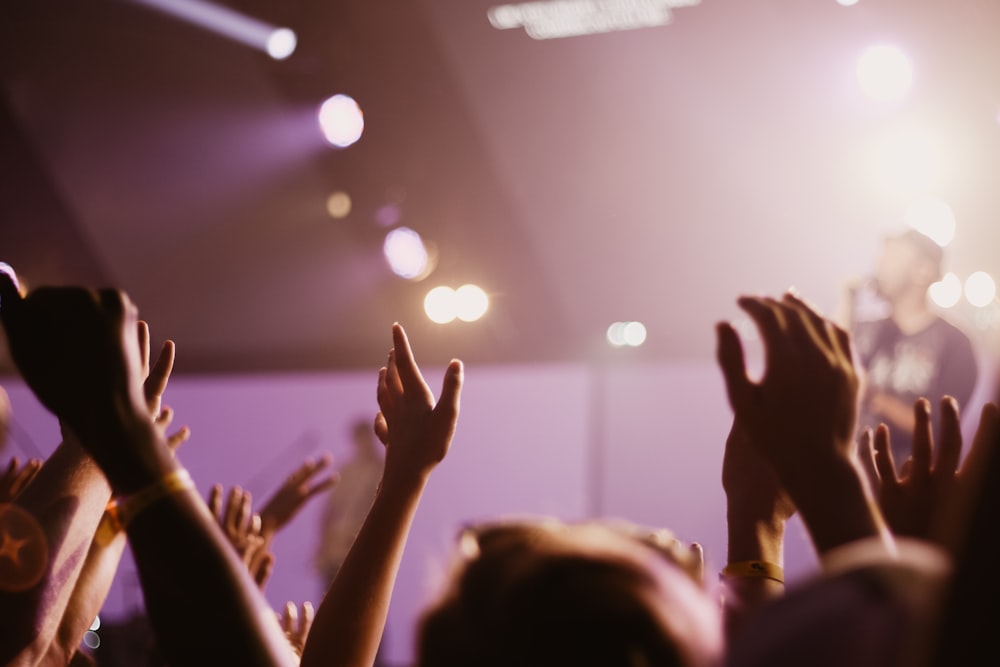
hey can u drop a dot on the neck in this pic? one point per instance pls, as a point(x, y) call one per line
point(911, 313)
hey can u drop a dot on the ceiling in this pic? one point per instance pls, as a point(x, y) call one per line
point(645, 175)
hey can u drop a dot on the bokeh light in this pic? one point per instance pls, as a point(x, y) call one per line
point(406, 254)
point(441, 305)
point(947, 291)
point(884, 73)
point(338, 205)
point(631, 334)
point(341, 120)
point(932, 217)
point(980, 289)
point(634, 333)
point(847, 3)
point(471, 302)
point(281, 43)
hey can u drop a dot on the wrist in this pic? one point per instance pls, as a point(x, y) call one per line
point(839, 508)
point(754, 537)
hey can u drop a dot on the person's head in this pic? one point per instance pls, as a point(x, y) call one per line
point(909, 263)
point(363, 437)
point(547, 593)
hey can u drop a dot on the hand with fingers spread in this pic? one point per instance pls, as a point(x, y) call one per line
point(800, 416)
point(415, 430)
point(155, 384)
point(296, 622)
point(294, 493)
point(920, 501)
point(16, 477)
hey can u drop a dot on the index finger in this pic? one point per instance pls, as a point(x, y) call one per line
point(406, 366)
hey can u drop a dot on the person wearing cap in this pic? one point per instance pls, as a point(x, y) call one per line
point(912, 352)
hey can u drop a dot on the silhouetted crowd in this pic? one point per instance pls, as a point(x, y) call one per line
point(907, 552)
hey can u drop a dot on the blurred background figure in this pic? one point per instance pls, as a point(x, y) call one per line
point(911, 351)
point(349, 501)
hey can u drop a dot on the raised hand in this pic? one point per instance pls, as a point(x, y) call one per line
point(242, 527)
point(296, 622)
point(922, 499)
point(800, 416)
point(293, 494)
point(155, 384)
point(804, 408)
point(76, 349)
point(16, 477)
point(416, 431)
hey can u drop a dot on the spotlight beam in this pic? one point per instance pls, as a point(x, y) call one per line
point(276, 41)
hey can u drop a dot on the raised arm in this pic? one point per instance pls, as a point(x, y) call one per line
point(107, 545)
point(417, 433)
point(800, 417)
point(78, 352)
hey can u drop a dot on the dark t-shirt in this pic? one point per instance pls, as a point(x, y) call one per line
point(934, 362)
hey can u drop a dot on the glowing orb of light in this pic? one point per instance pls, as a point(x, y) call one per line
point(341, 120)
point(405, 251)
point(441, 305)
point(338, 205)
point(281, 43)
point(980, 289)
point(947, 291)
point(634, 333)
point(884, 73)
point(471, 302)
point(932, 217)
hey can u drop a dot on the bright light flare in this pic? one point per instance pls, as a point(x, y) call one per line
point(440, 305)
point(277, 42)
point(631, 334)
point(847, 3)
point(471, 302)
point(406, 253)
point(932, 217)
point(884, 73)
point(947, 291)
point(341, 120)
point(281, 43)
point(980, 289)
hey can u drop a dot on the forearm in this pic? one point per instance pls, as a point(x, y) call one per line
point(88, 597)
point(64, 503)
point(837, 506)
point(201, 601)
point(349, 623)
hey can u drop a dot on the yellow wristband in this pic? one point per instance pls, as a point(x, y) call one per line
point(748, 569)
point(121, 512)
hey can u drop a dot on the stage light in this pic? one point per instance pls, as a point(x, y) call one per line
point(947, 291)
point(471, 302)
point(847, 3)
point(634, 333)
point(884, 73)
point(277, 42)
point(980, 289)
point(616, 334)
point(631, 334)
point(405, 251)
point(341, 120)
point(932, 217)
point(338, 205)
point(281, 43)
point(440, 305)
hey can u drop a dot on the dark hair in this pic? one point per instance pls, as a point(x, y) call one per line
point(519, 603)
